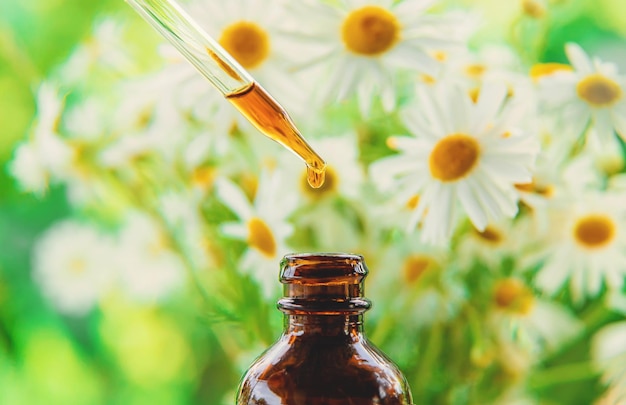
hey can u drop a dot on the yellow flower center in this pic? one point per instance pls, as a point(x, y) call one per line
point(545, 69)
point(440, 56)
point(490, 235)
point(248, 43)
point(475, 70)
point(474, 94)
point(599, 90)
point(544, 190)
point(533, 8)
point(411, 204)
point(261, 238)
point(77, 266)
point(594, 231)
point(370, 31)
point(428, 79)
point(329, 187)
point(203, 176)
point(415, 266)
point(454, 157)
point(513, 295)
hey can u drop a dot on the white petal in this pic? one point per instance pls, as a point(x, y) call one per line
point(472, 207)
point(489, 103)
point(578, 58)
point(407, 144)
point(618, 117)
point(429, 106)
point(413, 118)
point(602, 124)
point(503, 202)
point(235, 230)
point(594, 278)
point(233, 197)
point(553, 274)
point(614, 276)
point(407, 11)
point(412, 57)
point(507, 170)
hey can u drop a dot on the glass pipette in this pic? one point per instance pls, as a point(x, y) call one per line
point(232, 80)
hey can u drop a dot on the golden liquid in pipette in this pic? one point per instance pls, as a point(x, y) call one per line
point(273, 121)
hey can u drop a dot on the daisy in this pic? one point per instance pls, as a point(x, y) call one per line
point(417, 281)
point(150, 269)
point(73, 264)
point(461, 153)
point(45, 157)
point(586, 246)
point(249, 30)
point(361, 45)
point(490, 64)
point(608, 352)
point(607, 156)
point(556, 177)
point(262, 223)
point(518, 315)
point(498, 241)
point(106, 49)
point(590, 93)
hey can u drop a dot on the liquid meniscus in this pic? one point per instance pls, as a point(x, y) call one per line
point(273, 121)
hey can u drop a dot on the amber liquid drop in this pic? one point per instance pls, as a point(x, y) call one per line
point(273, 121)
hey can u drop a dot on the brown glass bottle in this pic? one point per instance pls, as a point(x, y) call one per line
point(323, 357)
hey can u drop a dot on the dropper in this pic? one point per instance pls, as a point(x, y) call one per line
point(231, 79)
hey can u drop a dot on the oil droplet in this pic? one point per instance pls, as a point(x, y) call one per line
point(315, 177)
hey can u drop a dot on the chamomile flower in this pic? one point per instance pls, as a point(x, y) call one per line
point(556, 176)
point(150, 270)
point(419, 282)
point(249, 30)
point(591, 92)
point(45, 156)
point(489, 64)
point(73, 264)
point(263, 224)
point(460, 153)
point(586, 246)
point(607, 156)
point(105, 48)
point(608, 351)
point(362, 45)
point(498, 241)
point(536, 323)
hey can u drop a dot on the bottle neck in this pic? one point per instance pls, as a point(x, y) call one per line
point(323, 295)
point(324, 325)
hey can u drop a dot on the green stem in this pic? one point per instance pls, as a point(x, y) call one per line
point(382, 331)
point(562, 374)
point(16, 58)
point(427, 362)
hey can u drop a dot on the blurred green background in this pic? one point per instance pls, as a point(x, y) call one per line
point(49, 359)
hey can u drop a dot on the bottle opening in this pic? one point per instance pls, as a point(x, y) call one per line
point(323, 284)
point(322, 268)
